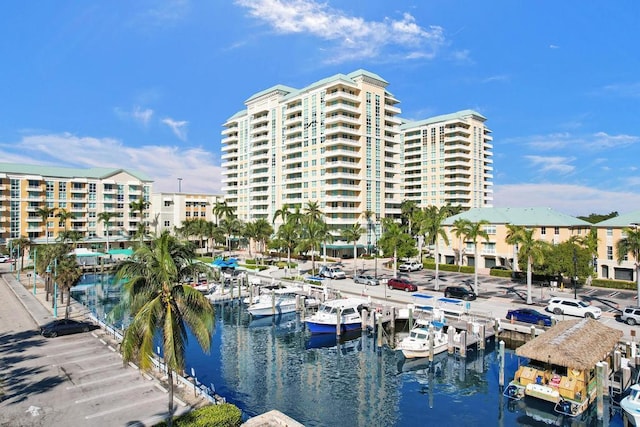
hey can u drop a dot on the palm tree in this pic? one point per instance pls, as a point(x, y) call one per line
point(460, 229)
point(68, 274)
point(230, 226)
point(65, 216)
point(312, 236)
point(368, 216)
point(45, 212)
point(313, 212)
point(250, 232)
point(283, 213)
point(264, 230)
point(222, 210)
point(393, 237)
point(161, 306)
point(106, 217)
point(408, 209)
point(533, 250)
point(434, 230)
point(137, 208)
point(22, 243)
point(475, 230)
point(513, 237)
point(353, 234)
point(288, 234)
point(630, 245)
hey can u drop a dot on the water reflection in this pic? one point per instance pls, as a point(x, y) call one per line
point(274, 363)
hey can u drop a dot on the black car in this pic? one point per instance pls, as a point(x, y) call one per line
point(459, 292)
point(65, 327)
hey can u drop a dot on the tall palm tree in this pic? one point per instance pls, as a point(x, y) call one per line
point(250, 232)
point(434, 230)
point(161, 306)
point(353, 234)
point(369, 216)
point(393, 237)
point(137, 208)
point(68, 274)
point(408, 209)
point(630, 245)
point(311, 237)
point(65, 216)
point(476, 230)
point(264, 230)
point(533, 250)
point(45, 212)
point(513, 237)
point(22, 243)
point(222, 210)
point(281, 213)
point(106, 217)
point(230, 226)
point(460, 229)
point(289, 236)
point(312, 211)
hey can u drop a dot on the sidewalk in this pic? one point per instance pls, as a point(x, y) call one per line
point(42, 312)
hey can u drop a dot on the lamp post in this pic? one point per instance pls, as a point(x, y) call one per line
point(18, 268)
point(179, 185)
point(375, 234)
point(575, 272)
point(35, 259)
point(55, 288)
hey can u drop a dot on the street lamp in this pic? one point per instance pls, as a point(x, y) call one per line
point(179, 185)
point(35, 274)
point(575, 272)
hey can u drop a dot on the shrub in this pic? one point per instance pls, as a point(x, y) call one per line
point(501, 273)
point(616, 284)
point(430, 265)
point(225, 415)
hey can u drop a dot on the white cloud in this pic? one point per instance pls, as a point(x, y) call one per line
point(355, 37)
point(571, 199)
point(631, 90)
point(197, 167)
point(178, 127)
point(602, 140)
point(138, 114)
point(595, 142)
point(552, 163)
point(554, 46)
point(167, 12)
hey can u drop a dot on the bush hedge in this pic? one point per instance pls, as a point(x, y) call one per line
point(224, 415)
point(430, 265)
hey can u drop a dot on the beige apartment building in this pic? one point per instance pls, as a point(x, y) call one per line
point(549, 225)
point(610, 232)
point(170, 210)
point(85, 193)
point(340, 142)
point(448, 160)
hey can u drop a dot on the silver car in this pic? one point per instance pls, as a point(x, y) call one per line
point(366, 279)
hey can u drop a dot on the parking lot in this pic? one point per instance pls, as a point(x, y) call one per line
point(77, 380)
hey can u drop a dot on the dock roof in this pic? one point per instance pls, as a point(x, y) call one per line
point(575, 344)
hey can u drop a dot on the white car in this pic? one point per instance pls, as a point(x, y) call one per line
point(4, 258)
point(573, 307)
point(411, 266)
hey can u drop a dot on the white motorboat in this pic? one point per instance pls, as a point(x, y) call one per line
point(424, 338)
point(325, 320)
point(277, 301)
point(631, 405)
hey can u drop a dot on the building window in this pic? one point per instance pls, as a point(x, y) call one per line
point(167, 223)
point(543, 231)
point(556, 230)
point(609, 252)
point(167, 203)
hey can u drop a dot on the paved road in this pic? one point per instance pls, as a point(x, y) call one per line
point(74, 380)
point(496, 295)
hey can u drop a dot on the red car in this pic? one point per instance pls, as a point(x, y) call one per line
point(402, 284)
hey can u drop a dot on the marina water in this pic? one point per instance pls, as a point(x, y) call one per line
point(274, 363)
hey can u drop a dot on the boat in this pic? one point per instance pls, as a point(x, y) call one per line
point(419, 342)
point(325, 320)
point(277, 301)
point(562, 365)
point(631, 405)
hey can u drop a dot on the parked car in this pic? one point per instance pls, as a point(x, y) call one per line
point(4, 258)
point(402, 284)
point(332, 272)
point(366, 279)
point(65, 327)
point(410, 266)
point(459, 292)
point(631, 315)
point(528, 315)
point(572, 307)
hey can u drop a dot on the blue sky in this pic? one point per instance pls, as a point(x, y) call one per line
point(147, 85)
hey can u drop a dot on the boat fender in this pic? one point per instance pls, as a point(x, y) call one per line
point(565, 406)
point(513, 391)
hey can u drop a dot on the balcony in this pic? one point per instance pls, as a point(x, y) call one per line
point(392, 109)
point(347, 142)
point(339, 129)
point(341, 106)
point(341, 94)
point(341, 118)
point(457, 129)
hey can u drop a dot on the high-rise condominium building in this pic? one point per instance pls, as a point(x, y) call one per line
point(27, 191)
point(448, 160)
point(335, 142)
point(340, 142)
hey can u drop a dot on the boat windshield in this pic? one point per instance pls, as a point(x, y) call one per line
point(327, 309)
point(419, 334)
point(635, 394)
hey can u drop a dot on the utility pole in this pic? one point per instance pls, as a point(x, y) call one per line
point(575, 272)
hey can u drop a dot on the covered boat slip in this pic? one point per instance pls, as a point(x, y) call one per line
point(563, 364)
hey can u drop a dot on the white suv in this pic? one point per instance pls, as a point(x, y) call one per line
point(4, 258)
point(573, 307)
point(411, 266)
